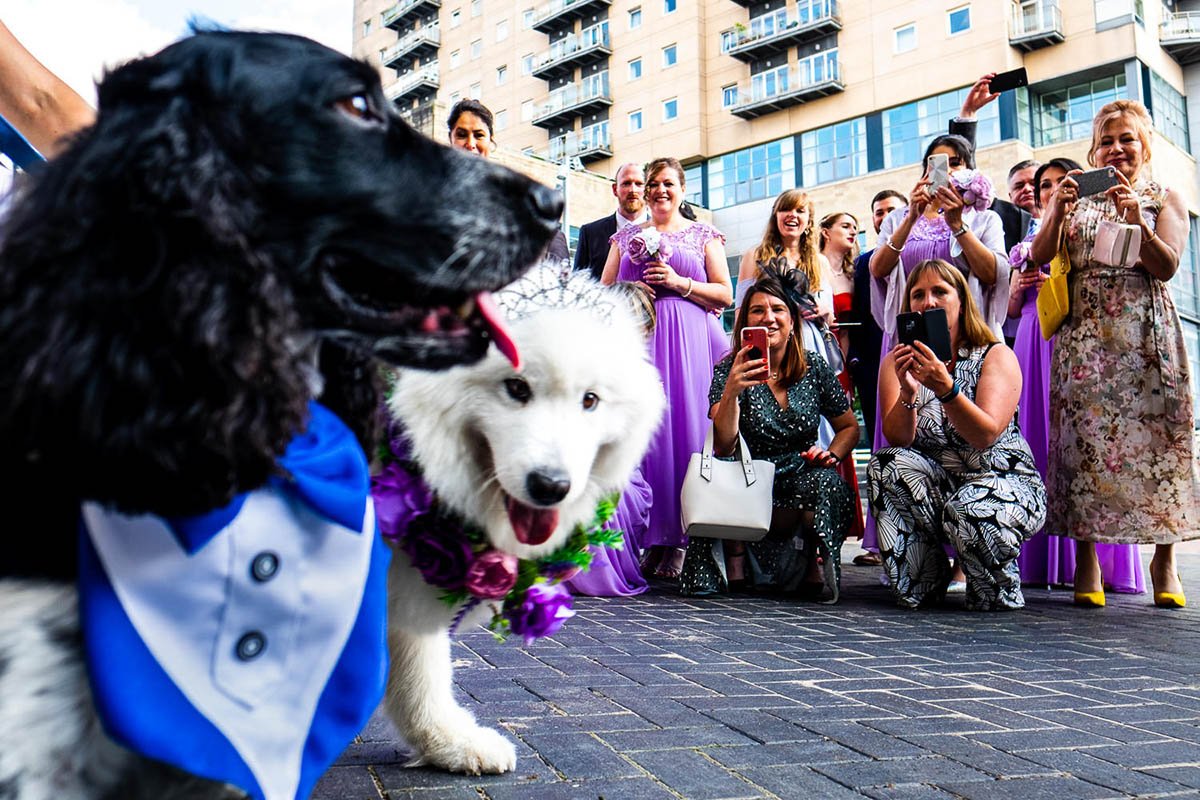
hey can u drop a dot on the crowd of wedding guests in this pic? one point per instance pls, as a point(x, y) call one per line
point(1019, 459)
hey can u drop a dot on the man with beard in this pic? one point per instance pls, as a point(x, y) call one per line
point(629, 188)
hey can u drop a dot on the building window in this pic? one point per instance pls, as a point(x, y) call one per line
point(455, 97)
point(670, 56)
point(501, 30)
point(526, 110)
point(501, 75)
point(456, 18)
point(1108, 10)
point(476, 91)
point(693, 180)
point(635, 121)
point(769, 84)
point(1066, 114)
point(527, 18)
point(1169, 108)
point(501, 119)
point(834, 152)
point(527, 64)
point(958, 20)
point(669, 6)
point(635, 69)
point(905, 38)
point(729, 96)
point(907, 129)
point(476, 49)
point(670, 109)
point(455, 58)
point(476, 7)
point(729, 40)
point(635, 17)
point(754, 173)
point(366, 28)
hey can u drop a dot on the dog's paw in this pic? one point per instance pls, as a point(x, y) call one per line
point(473, 751)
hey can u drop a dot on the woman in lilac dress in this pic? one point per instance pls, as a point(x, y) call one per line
point(682, 264)
point(1049, 559)
point(943, 224)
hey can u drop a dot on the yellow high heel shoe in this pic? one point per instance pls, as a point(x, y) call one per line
point(1090, 599)
point(1170, 599)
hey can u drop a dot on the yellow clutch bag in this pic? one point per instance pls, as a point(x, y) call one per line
point(1054, 299)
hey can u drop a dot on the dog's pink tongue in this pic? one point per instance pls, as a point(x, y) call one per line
point(531, 525)
point(498, 328)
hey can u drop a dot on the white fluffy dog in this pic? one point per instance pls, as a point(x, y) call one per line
point(525, 456)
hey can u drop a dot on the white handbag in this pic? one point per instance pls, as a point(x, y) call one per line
point(727, 499)
point(1117, 244)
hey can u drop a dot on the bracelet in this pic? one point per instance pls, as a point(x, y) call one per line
point(910, 406)
point(888, 242)
point(689, 291)
point(836, 458)
point(950, 395)
point(961, 231)
point(1153, 236)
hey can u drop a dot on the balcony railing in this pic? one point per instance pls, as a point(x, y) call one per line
point(558, 13)
point(420, 81)
point(573, 100)
point(1180, 35)
point(1035, 25)
point(591, 144)
point(420, 117)
point(572, 51)
point(776, 33)
point(788, 87)
point(412, 44)
point(395, 16)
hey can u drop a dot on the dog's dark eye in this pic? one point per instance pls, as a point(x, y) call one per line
point(590, 401)
point(357, 106)
point(518, 390)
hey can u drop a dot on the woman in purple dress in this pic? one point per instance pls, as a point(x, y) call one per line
point(682, 264)
point(1049, 559)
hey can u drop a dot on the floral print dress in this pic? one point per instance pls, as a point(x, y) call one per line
point(1122, 462)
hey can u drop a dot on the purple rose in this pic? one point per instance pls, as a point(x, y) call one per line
point(639, 252)
point(400, 497)
point(664, 251)
point(975, 188)
point(543, 611)
point(492, 575)
point(439, 549)
point(1019, 255)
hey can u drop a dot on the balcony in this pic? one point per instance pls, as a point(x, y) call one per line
point(1180, 36)
point(1035, 25)
point(591, 144)
point(420, 117)
point(419, 43)
point(566, 54)
point(418, 83)
point(789, 86)
point(775, 33)
point(573, 100)
point(403, 12)
point(558, 13)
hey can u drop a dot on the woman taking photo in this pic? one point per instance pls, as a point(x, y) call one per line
point(1122, 465)
point(775, 402)
point(682, 264)
point(958, 471)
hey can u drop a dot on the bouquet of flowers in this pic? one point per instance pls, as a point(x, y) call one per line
point(1019, 256)
point(974, 187)
point(649, 245)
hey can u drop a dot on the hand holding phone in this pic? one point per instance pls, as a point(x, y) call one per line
point(756, 339)
point(1003, 81)
point(929, 327)
point(938, 172)
point(1095, 181)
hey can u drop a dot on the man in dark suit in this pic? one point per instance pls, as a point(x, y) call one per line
point(629, 187)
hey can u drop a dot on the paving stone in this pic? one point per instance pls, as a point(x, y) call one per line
point(907, 791)
point(346, 783)
point(865, 740)
point(695, 777)
point(810, 753)
point(1048, 739)
point(620, 789)
point(761, 726)
point(1038, 788)
point(980, 756)
point(676, 738)
point(798, 781)
point(1154, 754)
point(930, 769)
point(579, 755)
point(1094, 770)
point(1101, 727)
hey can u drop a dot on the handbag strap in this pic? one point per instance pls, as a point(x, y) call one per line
point(742, 451)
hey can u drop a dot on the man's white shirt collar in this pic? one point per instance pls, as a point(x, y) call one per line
point(622, 222)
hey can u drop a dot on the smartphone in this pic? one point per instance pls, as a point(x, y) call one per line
point(938, 171)
point(1008, 80)
point(1095, 181)
point(756, 338)
point(929, 327)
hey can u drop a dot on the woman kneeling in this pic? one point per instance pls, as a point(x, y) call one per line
point(961, 473)
point(776, 408)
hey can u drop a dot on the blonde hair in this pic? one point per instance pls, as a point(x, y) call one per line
point(771, 244)
point(1130, 110)
point(826, 223)
point(972, 327)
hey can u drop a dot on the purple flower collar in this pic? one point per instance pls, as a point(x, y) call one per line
point(527, 595)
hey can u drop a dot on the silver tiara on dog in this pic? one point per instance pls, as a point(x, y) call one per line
point(553, 284)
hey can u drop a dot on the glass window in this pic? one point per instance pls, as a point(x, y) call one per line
point(1169, 111)
point(905, 38)
point(527, 18)
point(501, 119)
point(907, 129)
point(501, 30)
point(670, 109)
point(669, 6)
point(476, 7)
point(527, 64)
point(959, 20)
point(729, 40)
point(501, 75)
point(1114, 9)
point(1185, 286)
point(635, 121)
point(366, 28)
point(670, 56)
point(693, 179)
point(476, 49)
point(635, 69)
point(455, 97)
point(754, 173)
point(526, 110)
point(455, 58)
point(834, 152)
point(476, 91)
point(1066, 114)
point(456, 18)
point(729, 96)
point(635, 17)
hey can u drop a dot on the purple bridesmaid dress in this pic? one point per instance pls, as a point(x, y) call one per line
point(616, 573)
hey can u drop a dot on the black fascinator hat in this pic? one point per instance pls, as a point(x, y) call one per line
point(792, 285)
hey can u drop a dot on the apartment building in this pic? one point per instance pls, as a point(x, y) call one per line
point(837, 96)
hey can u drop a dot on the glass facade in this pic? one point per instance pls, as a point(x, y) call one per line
point(751, 174)
point(1169, 109)
point(834, 152)
point(1066, 114)
point(907, 129)
point(1185, 290)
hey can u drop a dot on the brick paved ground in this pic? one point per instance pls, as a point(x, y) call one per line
point(664, 697)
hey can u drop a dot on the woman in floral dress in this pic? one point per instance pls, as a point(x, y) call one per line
point(1122, 463)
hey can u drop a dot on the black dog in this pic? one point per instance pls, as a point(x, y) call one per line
point(244, 204)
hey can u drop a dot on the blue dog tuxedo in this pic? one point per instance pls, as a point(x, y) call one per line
point(246, 645)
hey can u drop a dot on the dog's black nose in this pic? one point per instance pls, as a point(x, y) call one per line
point(545, 202)
point(547, 487)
